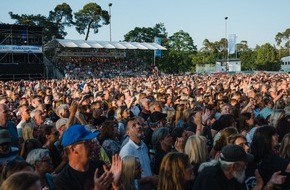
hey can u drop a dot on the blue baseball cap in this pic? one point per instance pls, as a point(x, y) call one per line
point(77, 133)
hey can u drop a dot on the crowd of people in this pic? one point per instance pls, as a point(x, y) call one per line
point(168, 132)
point(93, 67)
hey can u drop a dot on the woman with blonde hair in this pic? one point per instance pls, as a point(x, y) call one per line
point(131, 172)
point(175, 171)
point(285, 147)
point(196, 149)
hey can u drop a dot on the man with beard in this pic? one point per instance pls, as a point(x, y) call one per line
point(227, 173)
point(136, 147)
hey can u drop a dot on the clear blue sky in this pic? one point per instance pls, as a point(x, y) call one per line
point(256, 21)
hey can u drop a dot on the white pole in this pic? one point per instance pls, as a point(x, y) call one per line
point(226, 43)
point(110, 5)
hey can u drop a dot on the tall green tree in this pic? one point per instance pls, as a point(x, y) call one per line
point(267, 58)
point(202, 58)
point(147, 34)
point(283, 38)
point(181, 41)
point(221, 47)
point(91, 17)
point(53, 25)
point(181, 48)
point(209, 47)
point(217, 49)
point(62, 16)
point(248, 59)
point(242, 46)
point(283, 41)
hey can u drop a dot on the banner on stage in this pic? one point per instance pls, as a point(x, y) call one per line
point(20, 49)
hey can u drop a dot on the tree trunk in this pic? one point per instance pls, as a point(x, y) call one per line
point(88, 31)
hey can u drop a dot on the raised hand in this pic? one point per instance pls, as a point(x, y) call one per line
point(73, 107)
point(277, 178)
point(116, 168)
point(205, 116)
point(104, 181)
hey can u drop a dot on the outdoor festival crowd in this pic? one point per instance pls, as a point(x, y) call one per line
point(191, 132)
point(93, 67)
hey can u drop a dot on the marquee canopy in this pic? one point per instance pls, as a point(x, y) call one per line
point(107, 44)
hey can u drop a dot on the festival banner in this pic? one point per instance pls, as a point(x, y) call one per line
point(20, 49)
point(232, 44)
point(157, 52)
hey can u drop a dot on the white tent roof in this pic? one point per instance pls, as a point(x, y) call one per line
point(67, 43)
point(109, 45)
point(106, 45)
point(128, 45)
point(138, 45)
point(118, 45)
point(147, 45)
point(94, 44)
point(158, 46)
point(82, 44)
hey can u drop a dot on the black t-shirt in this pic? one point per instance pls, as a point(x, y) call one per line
point(70, 179)
point(213, 177)
point(158, 156)
point(55, 156)
point(148, 138)
point(250, 179)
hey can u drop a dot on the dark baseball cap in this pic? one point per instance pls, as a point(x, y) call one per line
point(157, 116)
point(235, 153)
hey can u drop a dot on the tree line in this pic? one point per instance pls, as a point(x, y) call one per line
point(182, 54)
